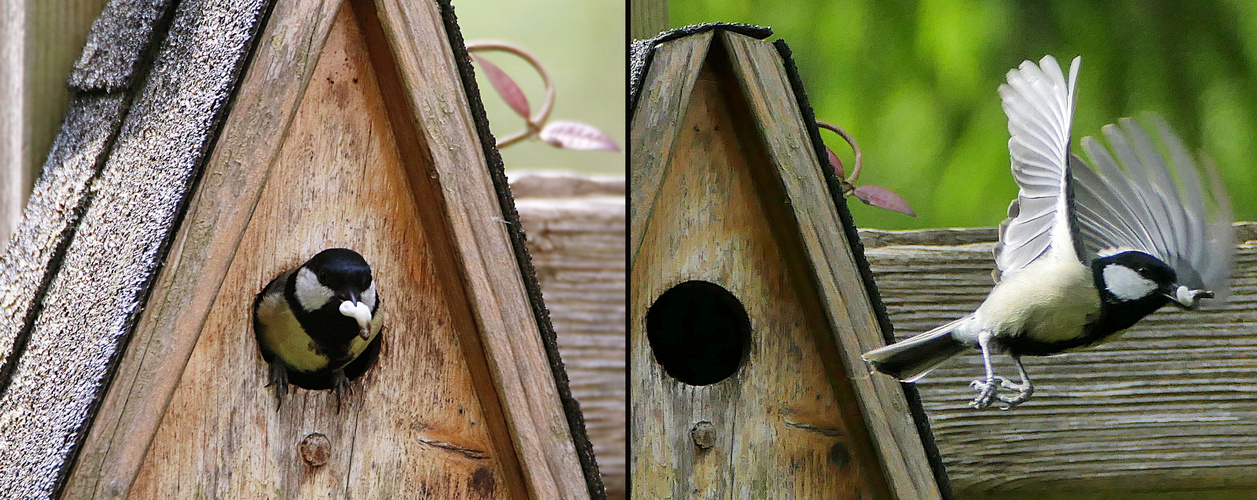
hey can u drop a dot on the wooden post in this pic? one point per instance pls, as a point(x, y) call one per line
point(39, 40)
point(648, 18)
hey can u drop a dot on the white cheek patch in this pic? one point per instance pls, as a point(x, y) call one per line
point(368, 297)
point(1126, 284)
point(311, 294)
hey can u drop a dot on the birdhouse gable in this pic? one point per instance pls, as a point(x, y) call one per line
point(749, 307)
point(261, 134)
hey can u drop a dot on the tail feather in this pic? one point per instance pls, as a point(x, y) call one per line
point(912, 358)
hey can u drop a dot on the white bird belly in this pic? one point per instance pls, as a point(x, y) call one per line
point(1050, 300)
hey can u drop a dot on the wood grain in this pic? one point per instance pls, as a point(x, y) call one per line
point(92, 302)
point(205, 245)
point(575, 227)
point(1170, 405)
point(828, 258)
point(718, 215)
point(662, 104)
point(412, 48)
point(39, 40)
point(415, 425)
point(648, 18)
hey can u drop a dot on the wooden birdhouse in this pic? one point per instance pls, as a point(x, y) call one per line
point(751, 301)
point(210, 146)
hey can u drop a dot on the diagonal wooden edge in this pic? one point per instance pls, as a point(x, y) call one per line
point(848, 305)
point(204, 246)
point(510, 216)
point(654, 123)
point(433, 99)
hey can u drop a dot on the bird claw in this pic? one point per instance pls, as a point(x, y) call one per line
point(988, 391)
point(341, 384)
point(278, 379)
point(1024, 391)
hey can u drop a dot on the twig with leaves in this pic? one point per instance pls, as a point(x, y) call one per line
point(560, 134)
point(871, 195)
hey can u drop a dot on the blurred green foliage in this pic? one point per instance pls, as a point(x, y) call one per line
point(582, 44)
point(915, 83)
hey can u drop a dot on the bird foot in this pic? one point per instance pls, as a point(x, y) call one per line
point(278, 379)
point(340, 383)
point(1024, 391)
point(988, 391)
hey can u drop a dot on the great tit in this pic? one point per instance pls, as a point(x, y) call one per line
point(313, 321)
point(1087, 250)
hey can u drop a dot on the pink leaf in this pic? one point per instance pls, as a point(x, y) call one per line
point(506, 87)
point(884, 198)
point(574, 135)
point(833, 160)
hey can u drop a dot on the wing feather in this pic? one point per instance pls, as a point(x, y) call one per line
point(1039, 103)
point(1149, 197)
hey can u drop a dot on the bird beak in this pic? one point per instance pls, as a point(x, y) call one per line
point(360, 313)
point(1188, 298)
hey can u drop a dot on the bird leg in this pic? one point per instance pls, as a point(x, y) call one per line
point(340, 383)
point(279, 379)
point(1024, 389)
point(988, 389)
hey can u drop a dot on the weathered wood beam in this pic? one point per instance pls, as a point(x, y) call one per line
point(575, 227)
point(423, 90)
point(648, 18)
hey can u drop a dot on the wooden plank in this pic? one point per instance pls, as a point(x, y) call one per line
point(717, 217)
point(648, 18)
point(415, 424)
point(204, 246)
point(575, 228)
point(92, 302)
point(1168, 406)
point(424, 76)
point(660, 107)
point(844, 298)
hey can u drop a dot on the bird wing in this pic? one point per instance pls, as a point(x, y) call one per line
point(1040, 108)
point(1130, 198)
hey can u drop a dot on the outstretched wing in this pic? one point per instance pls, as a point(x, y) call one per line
point(1039, 103)
point(1131, 198)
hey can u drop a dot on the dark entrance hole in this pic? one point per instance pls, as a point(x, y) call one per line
point(699, 332)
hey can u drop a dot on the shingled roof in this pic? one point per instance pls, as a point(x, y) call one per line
point(149, 94)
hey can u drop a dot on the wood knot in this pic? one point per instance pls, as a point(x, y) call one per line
point(704, 435)
point(839, 455)
point(315, 449)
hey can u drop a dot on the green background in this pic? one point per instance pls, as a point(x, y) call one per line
point(582, 44)
point(915, 83)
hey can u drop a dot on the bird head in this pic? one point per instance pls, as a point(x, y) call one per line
point(340, 278)
point(1134, 276)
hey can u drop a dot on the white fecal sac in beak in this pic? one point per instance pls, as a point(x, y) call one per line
point(360, 313)
point(1189, 298)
